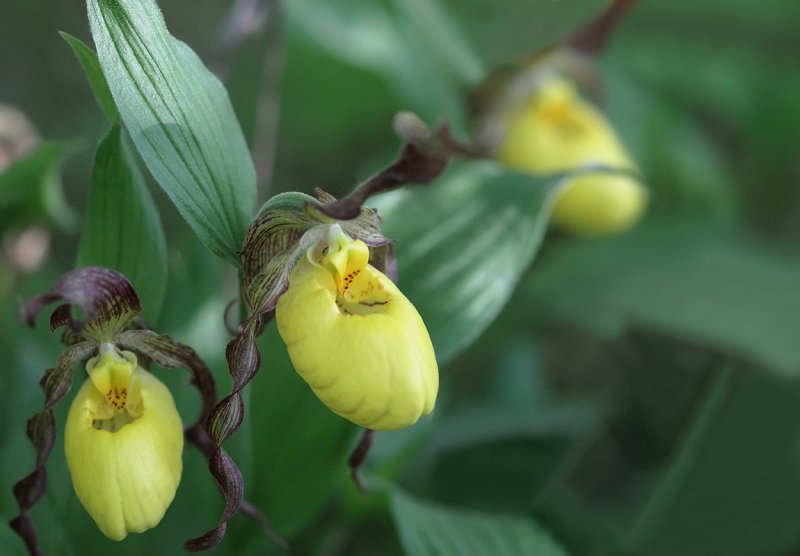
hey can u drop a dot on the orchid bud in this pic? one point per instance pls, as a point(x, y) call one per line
point(555, 131)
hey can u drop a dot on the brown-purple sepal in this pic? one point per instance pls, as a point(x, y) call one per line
point(106, 298)
point(273, 232)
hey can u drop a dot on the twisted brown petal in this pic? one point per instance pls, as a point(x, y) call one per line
point(244, 360)
point(41, 429)
point(273, 233)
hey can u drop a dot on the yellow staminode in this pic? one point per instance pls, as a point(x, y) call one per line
point(356, 339)
point(557, 131)
point(123, 442)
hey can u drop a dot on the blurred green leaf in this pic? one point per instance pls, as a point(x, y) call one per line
point(462, 245)
point(335, 120)
point(251, 64)
point(682, 278)
point(732, 487)
point(180, 118)
point(441, 40)
point(501, 460)
point(30, 189)
point(301, 447)
point(510, 435)
point(428, 529)
point(97, 81)
point(694, 176)
point(22, 181)
point(376, 37)
point(739, 92)
point(505, 474)
point(509, 31)
point(123, 230)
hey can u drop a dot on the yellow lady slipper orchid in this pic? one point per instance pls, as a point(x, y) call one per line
point(557, 131)
point(123, 442)
point(355, 339)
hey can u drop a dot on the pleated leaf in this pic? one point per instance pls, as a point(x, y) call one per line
point(122, 229)
point(729, 292)
point(462, 244)
point(180, 119)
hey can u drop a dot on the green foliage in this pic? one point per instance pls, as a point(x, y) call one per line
point(428, 529)
point(302, 439)
point(508, 31)
point(678, 276)
point(694, 508)
point(122, 229)
point(393, 45)
point(94, 73)
point(463, 244)
point(632, 396)
point(180, 119)
point(30, 189)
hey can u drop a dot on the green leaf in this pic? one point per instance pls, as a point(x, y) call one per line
point(180, 118)
point(301, 447)
point(508, 470)
point(30, 190)
point(97, 81)
point(511, 436)
point(442, 40)
point(428, 529)
point(123, 230)
point(683, 278)
point(509, 31)
point(21, 182)
point(462, 245)
point(425, 67)
point(732, 485)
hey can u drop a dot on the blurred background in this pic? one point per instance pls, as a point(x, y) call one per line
point(630, 395)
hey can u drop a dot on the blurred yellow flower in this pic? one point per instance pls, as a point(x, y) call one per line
point(356, 339)
point(123, 442)
point(557, 131)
